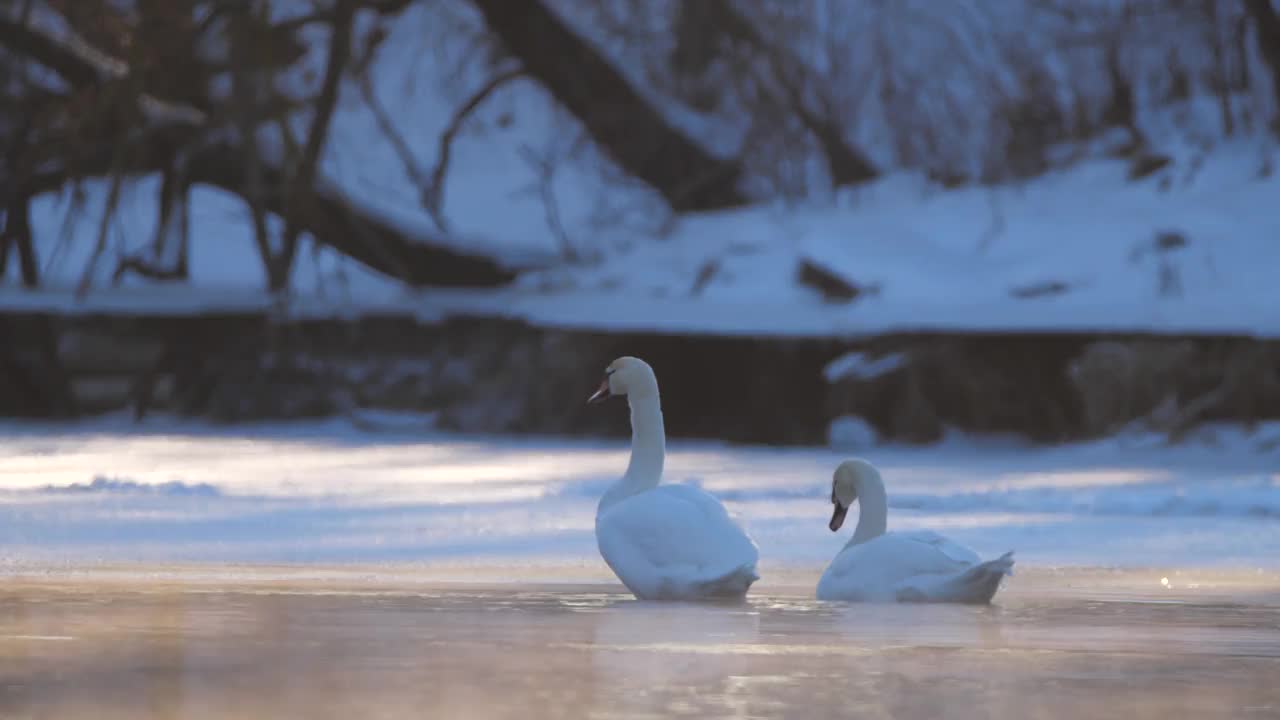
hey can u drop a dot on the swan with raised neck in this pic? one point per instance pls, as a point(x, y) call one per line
point(857, 479)
point(632, 378)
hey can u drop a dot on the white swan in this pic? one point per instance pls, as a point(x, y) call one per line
point(668, 542)
point(900, 566)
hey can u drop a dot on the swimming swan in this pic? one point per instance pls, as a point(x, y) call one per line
point(876, 566)
point(665, 542)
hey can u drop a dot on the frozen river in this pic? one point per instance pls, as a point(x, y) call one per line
point(254, 644)
point(72, 496)
point(318, 571)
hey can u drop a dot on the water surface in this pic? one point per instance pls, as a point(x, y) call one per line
point(165, 647)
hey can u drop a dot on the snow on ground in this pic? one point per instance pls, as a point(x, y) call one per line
point(928, 254)
point(323, 493)
point(958, 259)
point(1080, 240)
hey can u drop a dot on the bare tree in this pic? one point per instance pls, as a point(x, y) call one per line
point(786, 85)
point(113, 118)
point(302, 181)
point(15, 234)
point(432, 186)
point(618, 117)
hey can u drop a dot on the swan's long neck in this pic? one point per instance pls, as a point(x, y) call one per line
point(648, 449)
point(873, 510)
point(648, 441)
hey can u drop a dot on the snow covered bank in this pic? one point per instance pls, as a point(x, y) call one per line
point(1186, 249)
point(1081, 250)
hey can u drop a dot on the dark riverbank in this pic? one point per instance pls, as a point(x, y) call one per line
point(506, 376)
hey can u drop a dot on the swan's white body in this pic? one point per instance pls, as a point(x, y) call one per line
point(676, 542)
point(668, 542)
point(876, 566)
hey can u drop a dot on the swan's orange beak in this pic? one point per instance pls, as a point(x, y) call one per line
point(837, 517)
point(602, 393)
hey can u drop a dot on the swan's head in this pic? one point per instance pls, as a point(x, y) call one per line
point(848, 477)
point(626, 376)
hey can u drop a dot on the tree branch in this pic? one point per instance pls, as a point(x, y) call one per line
point(398, 142)
point(545, 166)
point(17, 236)
point(330, 16)
point(304, 178)
point(1266, 21)
point(433, 191)
point(620, 120)
point(846, 164)
point(36, 44)
point(339, 52)
point(104, 225)
point(172, 226)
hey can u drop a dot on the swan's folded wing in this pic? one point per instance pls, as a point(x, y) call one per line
point(865, 572)
point(673, 532)
point(951, 549)
point(879, 568)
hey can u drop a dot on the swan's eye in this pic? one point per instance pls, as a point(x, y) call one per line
point(610, 371)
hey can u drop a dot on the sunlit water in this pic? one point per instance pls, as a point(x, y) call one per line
point(138, 648)
point(113, 492)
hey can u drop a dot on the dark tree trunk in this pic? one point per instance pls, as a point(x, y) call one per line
point(16, 233)
point(280, 266)
point(362, 236)
point(846, 164)
point(715, 28)
point(1266, 20)
point(173, 225)
point(171, 229)
point(17, 236)
point(621, 122)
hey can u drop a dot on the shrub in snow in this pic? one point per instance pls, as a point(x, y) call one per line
point(851, 433)
point(1119, 382)
point(1174, 386)
point(912, 390)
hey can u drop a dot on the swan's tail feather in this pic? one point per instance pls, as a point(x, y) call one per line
point(977, 585)
point(732, 584)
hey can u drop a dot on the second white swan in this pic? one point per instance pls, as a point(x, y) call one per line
point(876, 566)
point(665, 542)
